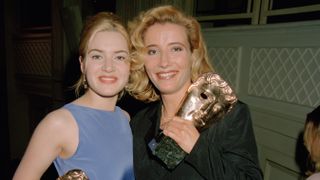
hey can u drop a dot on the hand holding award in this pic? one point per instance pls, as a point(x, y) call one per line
point(206, 101)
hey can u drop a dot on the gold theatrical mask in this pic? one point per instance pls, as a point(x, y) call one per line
point(74, 174)
point(206, 102)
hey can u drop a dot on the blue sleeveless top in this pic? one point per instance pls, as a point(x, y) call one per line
point(105, 145)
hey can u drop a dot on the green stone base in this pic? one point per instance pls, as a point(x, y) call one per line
point(169, 152)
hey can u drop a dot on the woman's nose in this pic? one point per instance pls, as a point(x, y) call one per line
point(108, 65)
point(164, 60)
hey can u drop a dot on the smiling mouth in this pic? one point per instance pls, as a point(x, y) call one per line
point(108, 79)
point(167, 75)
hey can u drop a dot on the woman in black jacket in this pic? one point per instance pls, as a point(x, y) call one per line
point(169, 56)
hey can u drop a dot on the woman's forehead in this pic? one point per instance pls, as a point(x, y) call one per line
point(165, 33)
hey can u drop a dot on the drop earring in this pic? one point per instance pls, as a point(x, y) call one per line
point(85, 83)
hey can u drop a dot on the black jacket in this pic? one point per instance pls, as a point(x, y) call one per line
point(227, 150)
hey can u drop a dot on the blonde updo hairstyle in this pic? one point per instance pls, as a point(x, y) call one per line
point(139, 85)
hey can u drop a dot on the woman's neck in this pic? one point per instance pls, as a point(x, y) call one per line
point(171, 102)
point(93, 100)
point(170, 106)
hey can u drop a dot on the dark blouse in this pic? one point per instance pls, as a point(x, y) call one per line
point(227, 150)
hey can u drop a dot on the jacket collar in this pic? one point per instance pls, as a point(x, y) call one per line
point(153, 118)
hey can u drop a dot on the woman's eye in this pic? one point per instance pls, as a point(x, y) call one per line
point(96, 57)
point(121, 58)
point(152, 52)
point(176, 49)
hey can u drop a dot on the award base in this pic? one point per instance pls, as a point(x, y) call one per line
point(74, 174)
point(168, 151)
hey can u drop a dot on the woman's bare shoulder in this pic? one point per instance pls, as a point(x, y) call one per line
point(59, 119)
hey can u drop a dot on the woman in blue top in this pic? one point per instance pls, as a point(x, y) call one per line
point(90, 133)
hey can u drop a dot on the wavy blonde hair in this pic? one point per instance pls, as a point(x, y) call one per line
point(102, 21)
point(139, 85)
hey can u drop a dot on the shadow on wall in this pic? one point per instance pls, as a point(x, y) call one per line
point(71, 75)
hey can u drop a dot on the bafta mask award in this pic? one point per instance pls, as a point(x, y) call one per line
point(206, 102)
point(74, 174)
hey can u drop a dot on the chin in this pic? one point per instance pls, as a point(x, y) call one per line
point(168, 90)
point(109, 94)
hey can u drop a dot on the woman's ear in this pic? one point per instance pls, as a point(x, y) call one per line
point(82, 65)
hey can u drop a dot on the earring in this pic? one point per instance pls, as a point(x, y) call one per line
point(85, 83)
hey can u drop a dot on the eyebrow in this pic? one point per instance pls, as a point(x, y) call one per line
point(177, 43)
point(94, 50)
point(170, 44)
point(98, 50)
point(122, 51)
point(151, 45)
